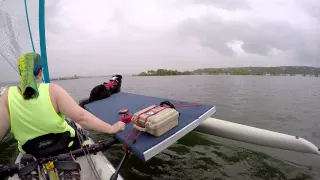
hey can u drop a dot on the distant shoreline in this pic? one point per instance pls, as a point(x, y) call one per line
point(258, 71)
point(63, 78)
point(70, 78)
point(230, 75)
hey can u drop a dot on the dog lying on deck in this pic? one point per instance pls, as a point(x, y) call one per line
point(104, 90)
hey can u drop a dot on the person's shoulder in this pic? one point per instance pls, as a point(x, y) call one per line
point(57, 89)
point(5, 90)
point(4, 95)
point(2, 90)
point(54, 86)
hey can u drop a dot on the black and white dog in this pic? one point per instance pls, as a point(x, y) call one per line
point(104, 90)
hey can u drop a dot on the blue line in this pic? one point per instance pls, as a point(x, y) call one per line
point(27, 16)
point(42, 34)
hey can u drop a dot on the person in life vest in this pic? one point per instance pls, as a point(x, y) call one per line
point(34, 110)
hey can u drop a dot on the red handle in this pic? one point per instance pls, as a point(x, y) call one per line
point(126, 118)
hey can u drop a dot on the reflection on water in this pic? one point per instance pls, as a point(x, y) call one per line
point(197, 157)
point(193, 157)
point(8, 150)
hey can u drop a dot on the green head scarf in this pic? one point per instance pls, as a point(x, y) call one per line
point(29, 66)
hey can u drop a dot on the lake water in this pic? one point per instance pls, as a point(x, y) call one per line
point(280, 103)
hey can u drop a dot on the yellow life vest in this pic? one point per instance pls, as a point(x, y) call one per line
point(34, 117)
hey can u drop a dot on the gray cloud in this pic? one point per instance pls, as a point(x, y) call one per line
point(226, 4)
point(312, 7)
point(214, 33)
point(106, 37)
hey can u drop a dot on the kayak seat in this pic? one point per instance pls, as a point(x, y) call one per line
point(51, 145)
point(67, 170)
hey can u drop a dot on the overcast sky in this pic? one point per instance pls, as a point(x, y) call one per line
point(126, 36)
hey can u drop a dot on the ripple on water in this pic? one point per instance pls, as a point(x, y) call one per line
point(196, 157)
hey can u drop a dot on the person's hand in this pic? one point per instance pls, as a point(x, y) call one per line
point(119, 126)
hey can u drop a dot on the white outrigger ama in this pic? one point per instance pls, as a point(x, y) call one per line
point(257, 136)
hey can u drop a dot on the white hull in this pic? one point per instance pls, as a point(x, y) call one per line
point(248, 134)
point(101, 163)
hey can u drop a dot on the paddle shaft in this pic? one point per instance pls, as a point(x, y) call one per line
point(116, 173)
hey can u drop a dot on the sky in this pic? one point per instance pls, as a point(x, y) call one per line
point(104, 37)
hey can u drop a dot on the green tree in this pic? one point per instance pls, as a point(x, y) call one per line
point(143, 74)
point(272, 71)
point(239, 72)
point(151, 72)
point(164, 72)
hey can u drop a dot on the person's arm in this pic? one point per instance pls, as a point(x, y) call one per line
point(4, 113)
point(67, 105)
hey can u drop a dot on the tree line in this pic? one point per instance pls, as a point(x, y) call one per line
point(164, 72)
point(273, 71)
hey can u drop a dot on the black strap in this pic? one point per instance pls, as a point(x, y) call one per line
point(27, 158)
point(168, 103)
point(63, 157)
point(27, 169)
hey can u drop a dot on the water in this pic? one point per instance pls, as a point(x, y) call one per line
point(283, 104)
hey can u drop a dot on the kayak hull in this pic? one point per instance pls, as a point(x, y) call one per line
point(100, 162)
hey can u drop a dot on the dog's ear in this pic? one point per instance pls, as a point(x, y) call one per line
point(118, 76)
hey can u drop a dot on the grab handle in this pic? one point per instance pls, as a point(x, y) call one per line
point(139, 128)
point(167, 103)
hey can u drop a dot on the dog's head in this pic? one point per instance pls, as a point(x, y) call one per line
point(117, 78)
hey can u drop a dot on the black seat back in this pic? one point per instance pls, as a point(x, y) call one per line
point(48, 145)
